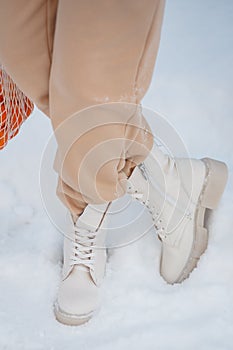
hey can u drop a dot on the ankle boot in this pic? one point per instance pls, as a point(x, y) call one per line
point(84, 267)
point(177, 192)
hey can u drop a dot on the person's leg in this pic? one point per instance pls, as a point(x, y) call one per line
point(103, 52)
point(26, 43)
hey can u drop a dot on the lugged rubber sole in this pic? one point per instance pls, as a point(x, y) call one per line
point(214, 185)
point(69, 319)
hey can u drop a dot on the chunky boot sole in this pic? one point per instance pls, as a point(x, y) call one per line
point(69, 319)
point(214, 185)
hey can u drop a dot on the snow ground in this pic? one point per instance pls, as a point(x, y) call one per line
point(192, 86)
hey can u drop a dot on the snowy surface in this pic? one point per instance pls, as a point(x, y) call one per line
point(192, 86)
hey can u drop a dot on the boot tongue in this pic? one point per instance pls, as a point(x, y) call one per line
point(91, 217)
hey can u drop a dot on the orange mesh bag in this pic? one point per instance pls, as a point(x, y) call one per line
point(15, 108)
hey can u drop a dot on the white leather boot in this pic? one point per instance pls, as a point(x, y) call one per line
point(84, 267)
point(177, 192)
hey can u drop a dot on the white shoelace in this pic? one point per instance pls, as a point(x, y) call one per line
point(158, 222)
point(156, 215)
point(83, 247)
point(155, 212)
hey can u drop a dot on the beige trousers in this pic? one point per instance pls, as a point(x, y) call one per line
point(86, 64)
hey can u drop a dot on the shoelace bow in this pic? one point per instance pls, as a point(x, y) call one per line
point(83, 247)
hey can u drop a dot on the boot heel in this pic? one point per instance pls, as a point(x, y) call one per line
point(216, 181)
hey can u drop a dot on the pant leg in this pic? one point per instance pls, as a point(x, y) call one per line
point(104, 51)
point(26, 43)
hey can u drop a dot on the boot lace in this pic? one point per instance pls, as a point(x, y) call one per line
point(155, 213)
point(83, 247)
